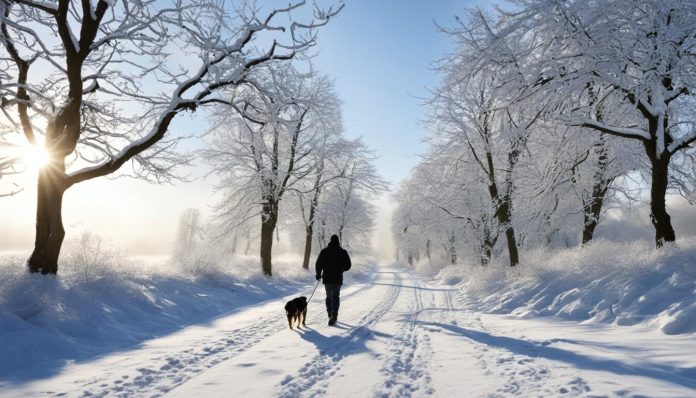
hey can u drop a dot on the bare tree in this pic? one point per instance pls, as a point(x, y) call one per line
point(85, 77)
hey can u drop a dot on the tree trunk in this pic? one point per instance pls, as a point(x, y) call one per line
point(487, 245)
point(452, 249)
point(247, 248)
point(503, 209)
point(269, 219)
point(658, 209)
point(486, 252)
point(308, 245)
point(234, 242)
point(322, 233)
point(342, 224)
point(486, 242)
point(49, 220)
point(310, 225)
point(592, 209)
point(512, 246)
point(504, 218)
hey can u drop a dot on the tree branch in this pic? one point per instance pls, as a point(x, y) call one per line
point(624, 132)
point(49, 8)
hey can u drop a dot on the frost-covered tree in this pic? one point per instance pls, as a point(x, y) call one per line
point(189, 232)
point(638, 55)
point(312, 189)
point(261, 146)
point(644, 52)
point(193, 250)
point(492, 129)
point(345, 209)
point(98, 83)
point(503, 160)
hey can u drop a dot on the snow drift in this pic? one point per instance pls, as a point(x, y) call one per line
point(622, 283)
point(115, 304)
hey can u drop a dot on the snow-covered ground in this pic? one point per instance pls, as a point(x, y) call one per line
point(116, 304)
point(399, 334)
point(627, 283)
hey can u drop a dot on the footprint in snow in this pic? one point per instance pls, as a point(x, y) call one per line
point(287, 380)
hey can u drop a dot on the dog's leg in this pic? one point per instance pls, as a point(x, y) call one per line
point(290, 321)
point(304, 317)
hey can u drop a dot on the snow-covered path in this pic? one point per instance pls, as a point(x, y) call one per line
point(398, 335)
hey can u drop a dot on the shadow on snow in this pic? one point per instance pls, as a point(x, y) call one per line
point(669, 374)
point(342, 345)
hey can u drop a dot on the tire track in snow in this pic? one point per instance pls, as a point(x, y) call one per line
point(311, 379)
point(160, 370)
point(171, 369)
point(168, 368)
point(407, 369)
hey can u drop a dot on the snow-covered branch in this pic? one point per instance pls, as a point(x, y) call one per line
point(624, 132)
point(121, 50)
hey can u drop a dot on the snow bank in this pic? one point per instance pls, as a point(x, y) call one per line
point(112, 303)
point(622, 283)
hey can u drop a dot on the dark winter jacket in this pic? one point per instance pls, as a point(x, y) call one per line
point(332, 262)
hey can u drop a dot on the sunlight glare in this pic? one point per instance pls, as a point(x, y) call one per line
point(37, 157)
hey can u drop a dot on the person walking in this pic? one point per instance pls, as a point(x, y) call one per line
point(331, 263)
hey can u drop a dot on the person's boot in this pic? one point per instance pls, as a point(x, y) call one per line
point(333, 319)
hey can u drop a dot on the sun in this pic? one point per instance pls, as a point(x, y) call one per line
point(36, 157)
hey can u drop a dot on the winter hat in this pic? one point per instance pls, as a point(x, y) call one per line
point(334, 240)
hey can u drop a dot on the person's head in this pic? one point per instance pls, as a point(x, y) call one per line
point(334, 241)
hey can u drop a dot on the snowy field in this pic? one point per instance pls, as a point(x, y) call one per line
point(399, 334)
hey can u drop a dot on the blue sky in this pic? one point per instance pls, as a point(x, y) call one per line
point(380, 52)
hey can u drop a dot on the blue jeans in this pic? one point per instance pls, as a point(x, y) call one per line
point(333, 299)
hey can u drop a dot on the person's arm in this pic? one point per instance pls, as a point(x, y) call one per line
point(319, 266)
point(347, 261)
